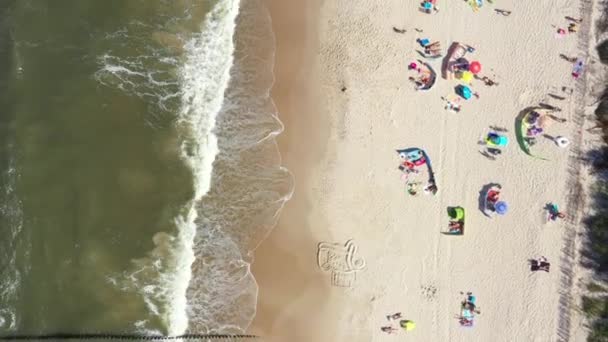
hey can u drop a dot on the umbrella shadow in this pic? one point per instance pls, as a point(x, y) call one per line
point(424, 55)
point(482, 197)
point(547, 136)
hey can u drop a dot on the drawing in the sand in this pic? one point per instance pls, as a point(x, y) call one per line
point(341, 261)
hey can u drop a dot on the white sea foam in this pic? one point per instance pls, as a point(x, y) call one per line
point(200, 280)
point(204, 78)
point(249, 185)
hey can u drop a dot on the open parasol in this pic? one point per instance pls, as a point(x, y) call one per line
point(407, 325)
point(475, 67)
point(501, 207)
point(467, 76)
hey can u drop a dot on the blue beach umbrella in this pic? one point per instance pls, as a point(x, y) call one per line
point(501, 207)
point(464, 91)
point(427, 5)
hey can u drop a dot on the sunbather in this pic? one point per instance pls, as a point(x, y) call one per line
point(389, 329)
point(455, 226)
point(487, 81)
point(493, 196)
point(394, 316)
point(540, 264)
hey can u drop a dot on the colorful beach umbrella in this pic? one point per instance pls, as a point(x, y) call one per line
point(407, 325)
point(475, 67)
point(501, 207)
point(464, 91)
point(467, 76)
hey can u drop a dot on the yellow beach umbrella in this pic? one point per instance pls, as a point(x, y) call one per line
point(467, 76)
point(408, 325)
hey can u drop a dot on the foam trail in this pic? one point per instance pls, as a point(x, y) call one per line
point(204, 77)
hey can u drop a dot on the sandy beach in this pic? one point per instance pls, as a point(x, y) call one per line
point(343, 94)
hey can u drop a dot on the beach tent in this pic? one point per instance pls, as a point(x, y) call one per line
point(464, 92)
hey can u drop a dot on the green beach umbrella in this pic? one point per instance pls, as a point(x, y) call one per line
point(407, 325)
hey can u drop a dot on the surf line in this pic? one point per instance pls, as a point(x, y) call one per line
point(61, 336)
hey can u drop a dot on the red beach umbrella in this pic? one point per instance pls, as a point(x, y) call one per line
point(475, 67)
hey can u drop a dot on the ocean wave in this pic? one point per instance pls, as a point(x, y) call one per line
point(218, 81)
point(249, 187)
point(204, 78)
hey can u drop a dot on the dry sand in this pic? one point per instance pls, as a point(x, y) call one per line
point(340, 145)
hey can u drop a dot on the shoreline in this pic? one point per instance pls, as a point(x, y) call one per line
point(285, 275)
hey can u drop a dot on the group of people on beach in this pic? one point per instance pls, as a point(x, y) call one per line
point(433, 49)
point(404, 324)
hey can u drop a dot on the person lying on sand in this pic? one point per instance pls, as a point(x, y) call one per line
point(572, 28)
point(503, 12)
point(399, 30)
point(488, 81)
point(389, 329)
point(451, 105)
point(394, 316)
point(541, 264)
point(455, 227)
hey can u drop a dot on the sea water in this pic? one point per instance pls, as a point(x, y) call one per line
point(138, 167)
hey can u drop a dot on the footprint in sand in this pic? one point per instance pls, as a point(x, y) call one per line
point(429, 292)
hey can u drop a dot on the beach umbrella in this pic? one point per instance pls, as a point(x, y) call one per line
point(562, 141)
point(475, 67)
point(467, 76)
point(464, 91)
point(407, 325)
point(427, 5)
point(501, 207)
